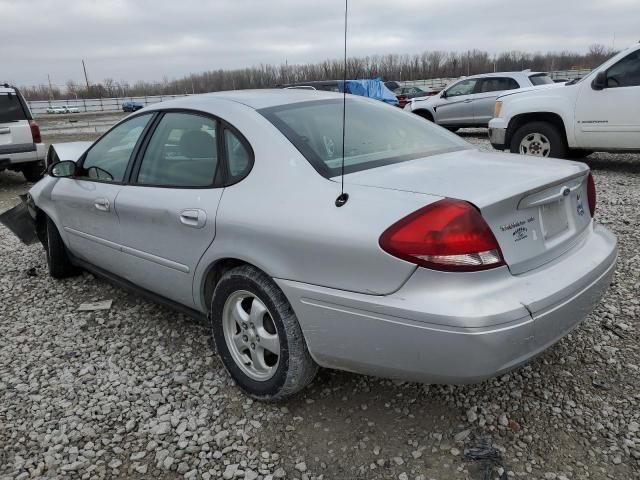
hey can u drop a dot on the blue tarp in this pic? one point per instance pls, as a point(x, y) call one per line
point(374, 88)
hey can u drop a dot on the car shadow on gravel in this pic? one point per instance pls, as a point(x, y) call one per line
point(619, 162)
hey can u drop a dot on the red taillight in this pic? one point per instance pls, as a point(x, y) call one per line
point(591, 194)
point(35, 132)
point(447, 235)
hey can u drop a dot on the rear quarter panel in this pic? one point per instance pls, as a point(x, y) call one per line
point(282, 218)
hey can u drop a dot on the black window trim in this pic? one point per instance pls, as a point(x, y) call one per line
point(221, 177)
point(134, 152)
point(606, 72)
point(133, 167)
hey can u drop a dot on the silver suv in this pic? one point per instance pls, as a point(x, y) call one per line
point(469, 102)
point(21, 147)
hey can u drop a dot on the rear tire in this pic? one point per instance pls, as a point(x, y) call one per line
point(57, 258)
point(542, 139)
point(424, 114)
point(237, 330)
point(32, 171)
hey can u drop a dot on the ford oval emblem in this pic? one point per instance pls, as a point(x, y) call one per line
point(565, 191)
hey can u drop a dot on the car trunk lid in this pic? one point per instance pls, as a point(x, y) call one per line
point(537, 208)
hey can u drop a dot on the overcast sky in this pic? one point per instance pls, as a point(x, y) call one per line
point(150, 39)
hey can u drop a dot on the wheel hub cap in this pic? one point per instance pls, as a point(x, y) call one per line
point(535, 144)
point(251, 335)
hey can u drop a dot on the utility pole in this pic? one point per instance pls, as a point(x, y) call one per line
point(50, 89)
point(86, 79)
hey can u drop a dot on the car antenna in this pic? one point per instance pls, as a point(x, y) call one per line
point(343, 197)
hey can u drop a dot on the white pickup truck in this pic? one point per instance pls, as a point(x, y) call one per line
point(600, 112)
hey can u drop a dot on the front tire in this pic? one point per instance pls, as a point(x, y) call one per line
point(258, 336)
point(58, 261)
point(540, 139)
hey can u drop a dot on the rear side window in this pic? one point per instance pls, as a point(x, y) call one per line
point(11, 108)
point(182, 152)
point(238, 156)
point(498, 84)
point(540, 79)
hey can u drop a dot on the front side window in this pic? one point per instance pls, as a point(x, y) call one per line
point(182, 152)
point(625, 73)
point(498, 84)
point(108, 158)
point(463, 88)
point(376, 134)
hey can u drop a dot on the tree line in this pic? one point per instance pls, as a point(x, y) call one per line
point(430, 64)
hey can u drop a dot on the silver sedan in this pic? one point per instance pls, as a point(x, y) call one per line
point(444, 265)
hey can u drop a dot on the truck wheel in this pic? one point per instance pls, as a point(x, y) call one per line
point(258, 336)
point(540, 139)
point(32, 171)
point(57, 259)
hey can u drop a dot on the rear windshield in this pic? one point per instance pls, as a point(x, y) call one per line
point(541, 79)
point(11, 108)
point(376, 134)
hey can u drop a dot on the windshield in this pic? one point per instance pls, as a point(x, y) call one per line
point(540, 79)
point(376, 134)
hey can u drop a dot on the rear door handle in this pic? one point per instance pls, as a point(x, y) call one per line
point(102, 204)
point(468, 100)
point(193, 217)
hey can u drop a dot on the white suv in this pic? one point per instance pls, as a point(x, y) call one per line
point(596, 113)
point(469, 102)
point(21, 147)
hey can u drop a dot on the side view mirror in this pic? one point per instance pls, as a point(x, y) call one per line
point(66, 168)
point(443, 94)
point(600, 82)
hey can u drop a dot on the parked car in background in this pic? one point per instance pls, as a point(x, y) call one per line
point(598, 112)
point(70, 109)
point(56, 109)
point(21, 147)
point(445, 265)
point(131, 106)
point(404, 94)
point(469, 102)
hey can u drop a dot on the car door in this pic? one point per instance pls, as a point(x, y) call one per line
point(608, 118)
point(85, 204)
point(168, 212)
point(454, 106)
point(484, 101)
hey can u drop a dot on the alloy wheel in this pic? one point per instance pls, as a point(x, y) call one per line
point(251, 335)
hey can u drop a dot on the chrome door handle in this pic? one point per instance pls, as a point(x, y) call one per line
point(101, 204)
point(193, 217)
point(5, 130)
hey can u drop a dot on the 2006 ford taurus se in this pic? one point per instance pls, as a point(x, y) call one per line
point(445, 264)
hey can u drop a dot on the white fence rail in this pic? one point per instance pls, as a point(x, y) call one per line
point(39, 107)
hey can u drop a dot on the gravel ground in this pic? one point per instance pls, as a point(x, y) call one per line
point(137, 392)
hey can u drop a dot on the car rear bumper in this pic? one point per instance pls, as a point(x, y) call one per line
point(449, 328)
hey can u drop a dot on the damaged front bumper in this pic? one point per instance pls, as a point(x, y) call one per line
point(21, 220)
